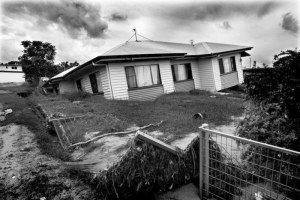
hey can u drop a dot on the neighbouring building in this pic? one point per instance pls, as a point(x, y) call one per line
point(144, 70)
point(11, 72)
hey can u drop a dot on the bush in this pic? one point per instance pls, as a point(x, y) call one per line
point(76, 96)
point(275, 117)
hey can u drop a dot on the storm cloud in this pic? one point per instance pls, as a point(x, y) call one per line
point(210, 11)
point(289, 23)
point(73, 17)
point(118, 17)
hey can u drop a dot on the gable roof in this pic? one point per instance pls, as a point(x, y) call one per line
point(147, 48)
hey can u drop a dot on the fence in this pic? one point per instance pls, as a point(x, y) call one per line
point(232, 167)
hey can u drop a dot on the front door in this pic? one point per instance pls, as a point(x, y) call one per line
point(93, 81)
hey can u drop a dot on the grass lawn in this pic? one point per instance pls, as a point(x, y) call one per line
point(176, 110)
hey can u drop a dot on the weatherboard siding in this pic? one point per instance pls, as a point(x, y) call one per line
point(224, 82)
point(239, 68)
point(206, 74)
point(66, 87)
point(146, 94)
point(184, 86)
point(118, 81)
point(195, 70)
point(99, 82)
point(166, 76)
point(105, 83)
point(216, 73)
point(229, 80)
point(86, 84)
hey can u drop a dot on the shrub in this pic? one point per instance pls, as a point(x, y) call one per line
point(275, 117)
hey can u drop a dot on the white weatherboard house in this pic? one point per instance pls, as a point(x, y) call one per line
point(144, 70)
point(11, 73)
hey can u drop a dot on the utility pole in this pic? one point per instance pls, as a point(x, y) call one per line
point(135, 34)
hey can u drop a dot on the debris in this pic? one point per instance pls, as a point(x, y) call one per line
point(213, 96)
point(258, 196)
point(223, 93)
point(8, 111)
point(199, 115)
point(76, 102)
point(57, 115)
point(13, 179)
point(2, 118)
point(113, 134)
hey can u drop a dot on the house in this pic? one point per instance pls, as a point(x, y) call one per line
point(11, 72)
point(144, 70)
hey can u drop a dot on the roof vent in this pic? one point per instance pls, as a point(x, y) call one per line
point(192, 42)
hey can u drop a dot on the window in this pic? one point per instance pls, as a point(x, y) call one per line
point(182, 72)
point(221, 66)
point(227, 65)
point(79, 86)
point(142, 76)
point(232, 62)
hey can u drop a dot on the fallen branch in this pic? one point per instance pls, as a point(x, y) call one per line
point(113, 134)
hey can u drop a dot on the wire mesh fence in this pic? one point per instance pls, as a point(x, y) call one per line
point(236, 168)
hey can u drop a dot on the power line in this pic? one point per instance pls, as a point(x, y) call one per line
point(144, 37)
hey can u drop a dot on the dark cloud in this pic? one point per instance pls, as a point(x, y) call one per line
point(118, 17)
point(210, 11)
point(289, 23)
point(73, 17)
point(225, 25)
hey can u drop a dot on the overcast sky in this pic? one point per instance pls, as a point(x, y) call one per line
point(82, 30)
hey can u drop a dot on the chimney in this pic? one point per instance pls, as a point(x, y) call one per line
point(192, 42)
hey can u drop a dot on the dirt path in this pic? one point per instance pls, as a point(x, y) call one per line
point(25, 173)
point(18, 151)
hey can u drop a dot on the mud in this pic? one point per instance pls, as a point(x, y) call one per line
point(106, 151)
point(25, 173)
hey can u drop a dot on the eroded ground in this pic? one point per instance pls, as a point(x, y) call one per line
point(25, 173)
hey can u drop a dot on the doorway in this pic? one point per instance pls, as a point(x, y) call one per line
point(94, 85)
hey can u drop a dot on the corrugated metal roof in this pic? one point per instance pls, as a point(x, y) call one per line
point(149, 47)
point(62, 74)
point(219, 48)
point(157, 47)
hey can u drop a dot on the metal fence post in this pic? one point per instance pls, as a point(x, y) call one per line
point(203, 162)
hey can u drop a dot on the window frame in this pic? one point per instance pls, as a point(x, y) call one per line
point(143, 87)
point(232, 65)
point(174, 74)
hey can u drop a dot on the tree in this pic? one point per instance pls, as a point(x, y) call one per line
point(66, 65)
point(38, 60)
